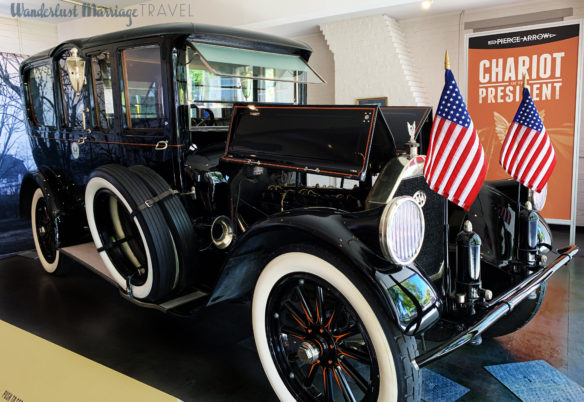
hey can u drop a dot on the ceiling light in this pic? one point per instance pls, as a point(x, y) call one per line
point(426, 4)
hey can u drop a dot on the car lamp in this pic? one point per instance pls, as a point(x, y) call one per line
point(401, 230)
point(76, 69)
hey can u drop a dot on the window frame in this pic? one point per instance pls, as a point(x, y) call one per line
point(124, 94)
point(30, 109)
point(95, 103)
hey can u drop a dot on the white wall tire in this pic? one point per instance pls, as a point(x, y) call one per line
point(49, 256)
point(381, 332)
point(179, 222)
point(152, 274)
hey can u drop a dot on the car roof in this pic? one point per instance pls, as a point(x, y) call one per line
point(199, 32)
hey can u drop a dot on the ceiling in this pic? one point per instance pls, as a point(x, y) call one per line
point(398, 9)
point(290, 18)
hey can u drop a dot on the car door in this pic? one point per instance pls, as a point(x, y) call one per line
point(106, 137)
point(74, 125)
point(39, 93)
point(145, 107)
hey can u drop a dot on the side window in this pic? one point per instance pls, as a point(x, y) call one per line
point(101, 69)
point(142, 83)
point(73, 104)
point(41, 97)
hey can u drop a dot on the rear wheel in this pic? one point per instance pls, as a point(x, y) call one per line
point(321, 334)
point(45, 235)
point(134, 243)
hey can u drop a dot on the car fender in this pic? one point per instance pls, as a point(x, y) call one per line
point(413, 309)
point(64, 201)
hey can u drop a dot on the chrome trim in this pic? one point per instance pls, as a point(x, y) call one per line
point(501, 307)
point(387, 216)
point(192, 45)
point(226, 232)
point(392, 174)
point(544, 235)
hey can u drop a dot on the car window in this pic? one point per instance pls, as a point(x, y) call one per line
point(73, 104)
point(101, 70)
point(41, 96)
point(142, 82)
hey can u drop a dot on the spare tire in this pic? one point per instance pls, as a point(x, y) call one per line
point(134, 241)
point(179, 222)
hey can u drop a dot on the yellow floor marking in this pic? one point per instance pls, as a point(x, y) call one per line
point(35, 370)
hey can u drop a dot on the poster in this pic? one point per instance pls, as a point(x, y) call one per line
point(549, 56)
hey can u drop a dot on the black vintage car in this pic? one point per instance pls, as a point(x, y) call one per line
point(181, 163)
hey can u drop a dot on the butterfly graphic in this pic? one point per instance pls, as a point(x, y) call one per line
point(562, 137)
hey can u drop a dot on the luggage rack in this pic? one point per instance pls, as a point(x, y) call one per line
point(184, 305)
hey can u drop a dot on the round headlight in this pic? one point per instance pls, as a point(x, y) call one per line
point(539, 198)
point(401, 230)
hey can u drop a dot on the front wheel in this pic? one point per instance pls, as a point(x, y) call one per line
point(321, 334)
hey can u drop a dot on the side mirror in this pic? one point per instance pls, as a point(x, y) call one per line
point(76, 70)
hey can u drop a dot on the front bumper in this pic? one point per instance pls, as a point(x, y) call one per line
point(499, 307)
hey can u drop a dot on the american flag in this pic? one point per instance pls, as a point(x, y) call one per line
point(455, 165)
point(527, 153)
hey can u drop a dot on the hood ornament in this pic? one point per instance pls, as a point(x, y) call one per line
point(412, 144)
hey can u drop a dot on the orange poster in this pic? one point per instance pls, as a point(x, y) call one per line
point(549, 57)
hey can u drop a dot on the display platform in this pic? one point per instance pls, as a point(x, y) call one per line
point(37, 370)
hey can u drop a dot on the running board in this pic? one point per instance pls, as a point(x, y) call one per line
point(86, 254)
point(502, 308)
point(183, 305)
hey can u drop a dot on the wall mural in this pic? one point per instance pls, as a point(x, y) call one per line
point(15, 157)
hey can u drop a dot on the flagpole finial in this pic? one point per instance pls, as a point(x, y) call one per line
point(446, 61)
point(524, 80)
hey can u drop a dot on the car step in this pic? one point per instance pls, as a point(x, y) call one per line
point(185, 305)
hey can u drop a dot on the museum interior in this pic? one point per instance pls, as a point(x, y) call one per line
point(349, 200)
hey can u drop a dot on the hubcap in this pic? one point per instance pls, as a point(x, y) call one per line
point(318, 342)
point(308, 352)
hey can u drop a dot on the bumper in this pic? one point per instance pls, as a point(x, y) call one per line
point(499, 307)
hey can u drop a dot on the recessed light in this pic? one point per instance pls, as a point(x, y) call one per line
point(426, 4)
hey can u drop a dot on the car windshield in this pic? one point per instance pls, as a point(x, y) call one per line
point(216, 77)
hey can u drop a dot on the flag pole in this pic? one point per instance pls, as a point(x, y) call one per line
point(446, 279)
point(518, 211)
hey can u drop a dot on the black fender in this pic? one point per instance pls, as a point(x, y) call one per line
point(65, 201)
point(408, 296)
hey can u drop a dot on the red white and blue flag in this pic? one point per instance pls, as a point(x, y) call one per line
point(455, 165)
point(527, 153)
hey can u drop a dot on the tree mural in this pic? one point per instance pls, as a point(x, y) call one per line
point(15, 155)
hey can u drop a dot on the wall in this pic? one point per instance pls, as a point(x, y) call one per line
point(428, 37)
point(323, 63)
point(371, 60)
point(26, 36)
point(17, 38)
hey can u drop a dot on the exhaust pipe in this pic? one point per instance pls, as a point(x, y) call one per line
point(222, 232)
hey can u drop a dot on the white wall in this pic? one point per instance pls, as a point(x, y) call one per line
point(428, 38)
point(323, 63)
point(26, 37)
point(370, 60)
